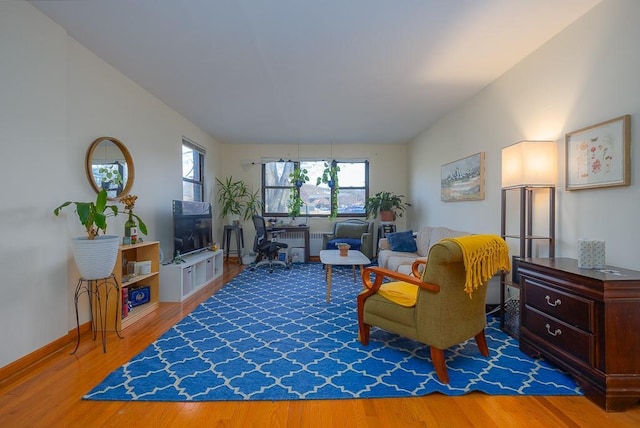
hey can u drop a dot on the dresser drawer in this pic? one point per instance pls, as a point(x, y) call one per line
point(573, 310)
point(560, 335)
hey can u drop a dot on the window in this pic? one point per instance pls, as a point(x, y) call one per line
point(192, 172)
point(353, 180)
point(275, 187)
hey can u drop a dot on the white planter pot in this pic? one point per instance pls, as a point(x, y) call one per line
point(233, 219)
point(95, 258)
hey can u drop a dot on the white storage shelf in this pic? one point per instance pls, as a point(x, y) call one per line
point(179, 281)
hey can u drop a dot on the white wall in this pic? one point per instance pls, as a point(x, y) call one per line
point(585, 75)
point(57, 97)
point(34, 163)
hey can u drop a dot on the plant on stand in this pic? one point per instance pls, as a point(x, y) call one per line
point(237, 201)
point(95, 255)
point(330, 178)
point(388, 206)
point(231, 194)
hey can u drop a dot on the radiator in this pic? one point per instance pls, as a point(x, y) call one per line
point(296, 239)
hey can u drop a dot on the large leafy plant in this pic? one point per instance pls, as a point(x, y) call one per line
point(251, 204)
point(385, 201)
point(92, 215)
point(235, 198)
point(230, 195)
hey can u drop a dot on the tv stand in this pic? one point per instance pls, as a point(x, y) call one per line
point(180, 280)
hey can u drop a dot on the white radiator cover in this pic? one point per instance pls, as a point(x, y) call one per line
point(296, 239)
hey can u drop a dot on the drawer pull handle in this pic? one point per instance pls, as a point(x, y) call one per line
point(558, 332)
point(554, 304)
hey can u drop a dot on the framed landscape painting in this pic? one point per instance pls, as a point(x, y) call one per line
point(599, 155)
point(463, 180)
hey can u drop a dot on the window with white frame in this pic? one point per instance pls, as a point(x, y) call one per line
point(192, 171)
point(352, 189)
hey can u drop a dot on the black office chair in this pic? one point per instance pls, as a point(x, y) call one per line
point(265, 247)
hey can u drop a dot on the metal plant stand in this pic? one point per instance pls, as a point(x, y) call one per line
point(98, 291)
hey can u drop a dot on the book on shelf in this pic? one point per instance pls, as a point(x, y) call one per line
point(125, 302)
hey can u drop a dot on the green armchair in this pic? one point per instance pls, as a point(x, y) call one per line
point(442, 315)
point(357, 233)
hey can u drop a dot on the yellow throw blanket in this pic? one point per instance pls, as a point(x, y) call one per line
point(483, 256)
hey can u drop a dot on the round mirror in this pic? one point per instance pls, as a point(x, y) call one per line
point(109, 166)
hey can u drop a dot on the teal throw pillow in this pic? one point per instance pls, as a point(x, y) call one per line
point(402, 241)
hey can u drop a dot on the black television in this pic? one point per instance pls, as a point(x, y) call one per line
point(192, 227)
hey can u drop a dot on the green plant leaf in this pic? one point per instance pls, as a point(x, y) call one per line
point(92, 215)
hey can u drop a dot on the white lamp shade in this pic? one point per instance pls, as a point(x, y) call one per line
point(529, 163)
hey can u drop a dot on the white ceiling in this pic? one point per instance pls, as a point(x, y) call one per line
point(313, 71)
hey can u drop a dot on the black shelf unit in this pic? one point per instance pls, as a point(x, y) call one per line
point(510, 311)
point(383, 230)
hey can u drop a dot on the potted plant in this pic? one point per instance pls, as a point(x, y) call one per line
point(251, 205)
point(95, 254)
point(297, 179)
point(236, 200)
point(343, 247)
point(387, 205)
point(230, 196)
point(330, 178)
point(294, 205)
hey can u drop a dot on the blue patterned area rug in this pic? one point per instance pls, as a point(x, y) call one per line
point(274, 337)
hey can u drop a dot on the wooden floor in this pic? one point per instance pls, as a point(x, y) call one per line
point(49, 393)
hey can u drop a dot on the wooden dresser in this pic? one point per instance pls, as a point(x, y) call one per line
point(586, 321)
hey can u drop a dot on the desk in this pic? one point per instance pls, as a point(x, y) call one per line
point(294, 229)
point(237, 228)
point(333, 257)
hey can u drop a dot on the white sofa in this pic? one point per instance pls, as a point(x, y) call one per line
point(425, 238)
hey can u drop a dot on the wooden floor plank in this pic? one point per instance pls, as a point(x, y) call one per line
point(49, 394)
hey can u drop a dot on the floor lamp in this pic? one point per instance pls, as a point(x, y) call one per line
point(527, 167)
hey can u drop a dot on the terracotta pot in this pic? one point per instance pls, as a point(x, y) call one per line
point(344, 250)
point(386, 215)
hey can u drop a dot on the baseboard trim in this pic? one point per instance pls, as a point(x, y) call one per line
point(28, 361)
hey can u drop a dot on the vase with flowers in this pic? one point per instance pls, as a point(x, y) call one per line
point(130, 226)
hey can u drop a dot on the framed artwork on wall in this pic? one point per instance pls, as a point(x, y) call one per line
point(463, 180)
point(599, 155)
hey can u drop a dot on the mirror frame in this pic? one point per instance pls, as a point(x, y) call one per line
point(127, 157)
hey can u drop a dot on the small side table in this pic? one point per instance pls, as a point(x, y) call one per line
point(384, 229)
point(237, 228)
point(98, 291)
